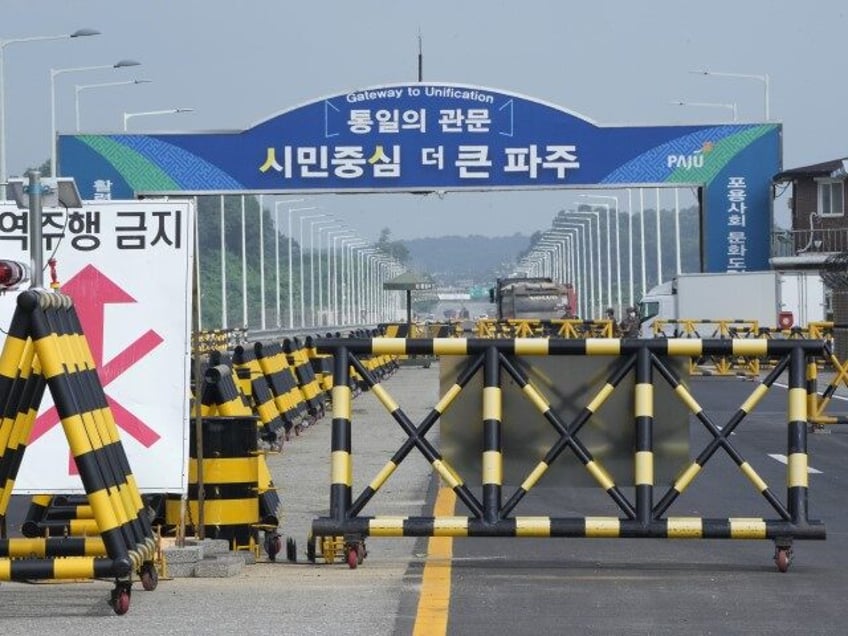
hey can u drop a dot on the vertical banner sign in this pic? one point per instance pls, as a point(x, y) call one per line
point(127, 266)
point(427, 136)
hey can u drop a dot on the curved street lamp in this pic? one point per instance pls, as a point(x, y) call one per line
point(82, 87)
point(147, 113)
point(79, 33)
point(760, 78)
point(54, 72)
point(731, 107)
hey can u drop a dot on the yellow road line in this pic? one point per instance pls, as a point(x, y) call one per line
point(431, 618)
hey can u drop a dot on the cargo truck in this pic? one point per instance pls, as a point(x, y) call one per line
point(533, 298)
point(775, 299)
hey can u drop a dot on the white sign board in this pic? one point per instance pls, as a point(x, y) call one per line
point(127, 265)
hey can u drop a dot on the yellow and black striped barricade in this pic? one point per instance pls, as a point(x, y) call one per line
point(60, 353)
point(108, 474)
point(35, 514)
point(387, 364)
point(220, 339)
point(486, 328)
point(230, 474)
point(372, 363)
point(322, 365)
point(313, 395)
point(22, 387)
point(62, 516)
point(709, 329)
point(273, 428)
point(575, 328)
point(818, 404)
point(220, 385)
point(492, 511)
point(287, 394)
point(51, 547)
point(398, 330)
point(220, 395)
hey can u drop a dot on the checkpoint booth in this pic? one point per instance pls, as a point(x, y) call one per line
point(409, 282)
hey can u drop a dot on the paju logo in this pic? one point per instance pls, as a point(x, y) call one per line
point(690, 161)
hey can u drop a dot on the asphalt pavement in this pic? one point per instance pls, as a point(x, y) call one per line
point(278, 597)
point(521, 586)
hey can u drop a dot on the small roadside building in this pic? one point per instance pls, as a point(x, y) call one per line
point(818, 236)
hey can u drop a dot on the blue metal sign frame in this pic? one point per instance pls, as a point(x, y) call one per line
point(432, 136)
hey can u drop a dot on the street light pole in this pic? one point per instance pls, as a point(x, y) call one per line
point(312, 225)
point(3, 44)
point(291, 266)
point(600, 278)
point(327, 225)
point(760, 78)
point(614, 199)
point(583, 278)
point(348, 244)
point(277, 205)
point(642, 239)
point(606, 207)
point(167, 111)
point(54, 72)
point(302, 285)
point(659, 239)
point(731, 107)
point(332, 281)
point(81, 87)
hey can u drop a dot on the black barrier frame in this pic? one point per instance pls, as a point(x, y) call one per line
point(642, 518)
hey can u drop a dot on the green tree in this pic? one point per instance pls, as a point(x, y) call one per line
point(395, 249)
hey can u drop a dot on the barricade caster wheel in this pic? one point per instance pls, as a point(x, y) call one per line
point(291, 550)
point(273, 545)
point(782, 557)
point(352, 557)
point(149, 577)
point(119, 599)
point(310, 549)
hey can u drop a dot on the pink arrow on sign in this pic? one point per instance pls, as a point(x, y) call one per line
point(92, 291)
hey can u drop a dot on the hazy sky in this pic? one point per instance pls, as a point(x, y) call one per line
point(236, 64)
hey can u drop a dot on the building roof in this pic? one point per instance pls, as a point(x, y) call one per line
point(409, 280)
point(834, 167)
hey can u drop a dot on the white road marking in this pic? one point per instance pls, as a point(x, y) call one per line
point(782, 459)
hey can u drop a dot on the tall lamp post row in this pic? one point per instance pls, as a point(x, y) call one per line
point(54, 73)
point(572, 250)
point(354, 273)
point(3, 44)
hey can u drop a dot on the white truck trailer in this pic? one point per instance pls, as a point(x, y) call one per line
point(775, 299)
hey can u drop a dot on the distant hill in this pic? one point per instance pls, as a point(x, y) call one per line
point(458, 260)
point(476, 260)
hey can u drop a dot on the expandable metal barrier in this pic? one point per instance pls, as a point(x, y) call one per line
point(816, 404)
point(59, 515)
point(642, 517)
point(45, 347)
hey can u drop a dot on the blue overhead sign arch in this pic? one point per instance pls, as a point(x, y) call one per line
point(429, 136)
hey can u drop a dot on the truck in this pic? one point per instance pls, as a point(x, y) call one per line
point(775, 299)
point(533, 298)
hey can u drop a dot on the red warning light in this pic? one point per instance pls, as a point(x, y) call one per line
point(12, 274)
